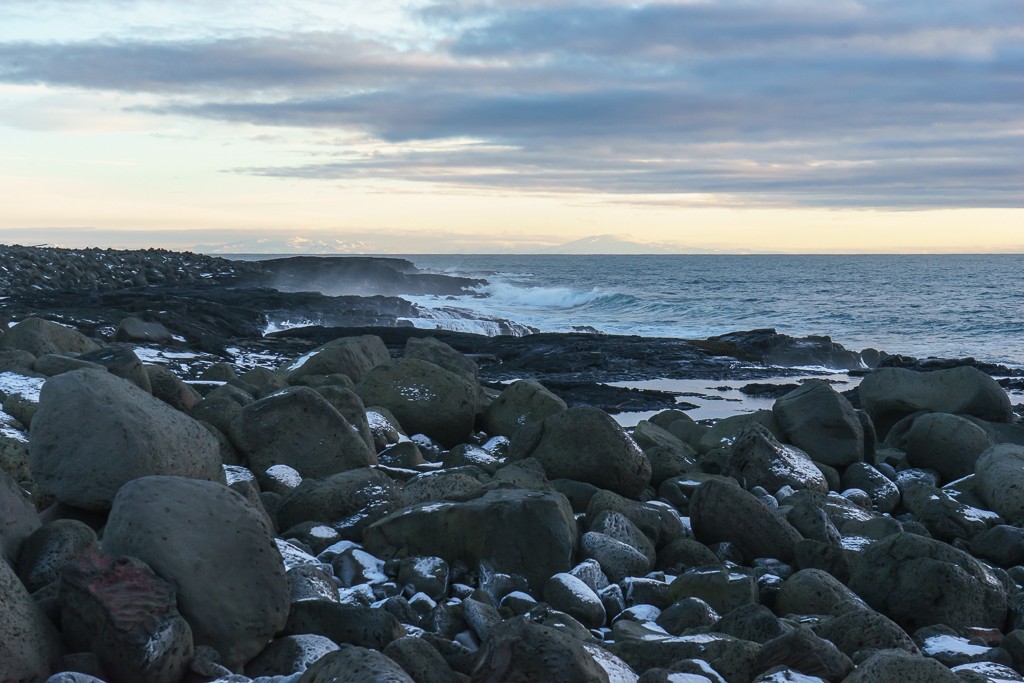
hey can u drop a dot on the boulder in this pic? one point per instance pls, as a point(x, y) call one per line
point(39, 337)
point(421, 660)
point(520, 651)
point(890, 394)
point(94, 432)
point(569, 594)
point(802, 650)
point(618, 560)
point(352, 356)
point(355, 664)
point(298, 427)
point(724, 432)
point(18, 518)
point(531, 533)
point(948, 444)
point(918, 581)
point(50, 548)
point(215, 549)
point(725, 512)
point(1000, 480)
point(884, 494)
point(30, 646)
point(441, 354)
point(344, 624)
point(758, 459)
point(122, 362)
point(359, 492)
point(424, 398)
point(171, 389)
point(290, 654)
point(522, 402)
point(865, 629)
point(585, 444)
point(888, 666)
point(120, 610)
point(133, 329)
point(821, 421)
point(813, 591)
point(669, 456)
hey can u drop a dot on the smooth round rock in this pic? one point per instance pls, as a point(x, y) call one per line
point(215, 549)
point(567, 593)
point(94, 432)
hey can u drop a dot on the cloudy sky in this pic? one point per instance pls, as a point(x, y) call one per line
point(477, 125)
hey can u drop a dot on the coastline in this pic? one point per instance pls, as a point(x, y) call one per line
point(418, 502)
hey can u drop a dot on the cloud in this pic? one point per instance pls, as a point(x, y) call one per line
point(789, 102)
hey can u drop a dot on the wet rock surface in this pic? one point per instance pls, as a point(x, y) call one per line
point(350, 538)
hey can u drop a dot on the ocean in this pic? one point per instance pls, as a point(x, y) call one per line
point(947, 306)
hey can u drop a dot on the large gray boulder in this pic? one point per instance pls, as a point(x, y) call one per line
point(94, 432)
point(298, 427)
point(949, 444)
point(918, 581)
point(1000, 480)
point(39, 337)
point(352, 356)
point(171, 389)
point(720, 511)
point(424, 398)
point(890, 394)
point(133, 329)
point(531, 533)
point(215, 549)
point(18, 518)
point(523, 402)
point(822, 422)
point(441, 354)
point(355, 664)
point(585, 444)
point(29, 644)
point(758, 459)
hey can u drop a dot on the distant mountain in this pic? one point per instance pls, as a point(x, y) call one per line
point(619, 244)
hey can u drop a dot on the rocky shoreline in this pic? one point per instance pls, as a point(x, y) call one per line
point(387, 504)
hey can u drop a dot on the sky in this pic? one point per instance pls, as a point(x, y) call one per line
point(481, 126)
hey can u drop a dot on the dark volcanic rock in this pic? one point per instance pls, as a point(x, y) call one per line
point(768, 346)
point(122, 611)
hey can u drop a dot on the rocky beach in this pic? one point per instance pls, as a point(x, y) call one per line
point(193, 489)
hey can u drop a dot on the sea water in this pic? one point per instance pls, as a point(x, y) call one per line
point(947, 306)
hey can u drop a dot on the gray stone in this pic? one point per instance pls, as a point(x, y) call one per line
point(758, 459)
point(355, 664)
point(1000, 480)
point(522, 402)
point(170, 389)
point(359, 492)
point(946, 443)
point(299, 428)
point(753, 622)
point(532, 533)
point(617, 559)
point(919, 581)
point(18, 518)
point(722, 588)
point(586, 444)
point(133, 329)
point(120, 610)
point(821, 421)
point(725, 512)
point(95, 432)
point(669, 456)
point(39, 337)
point(229, 574)
point(50, 548)
point(890, 394)
point(352, 356)
point(290, 654)
point(687, 613)
point(567, 593)
point(1002, 545)
point(813, 591)
point(857, 630)
point(619, 527)
point(122, 362)
point(724, 432)
point(802, 650)
point(420, 660)
point(344, 624)
point(885, 496)
point(888, 666)
point(425, 398)
point(30, 646)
